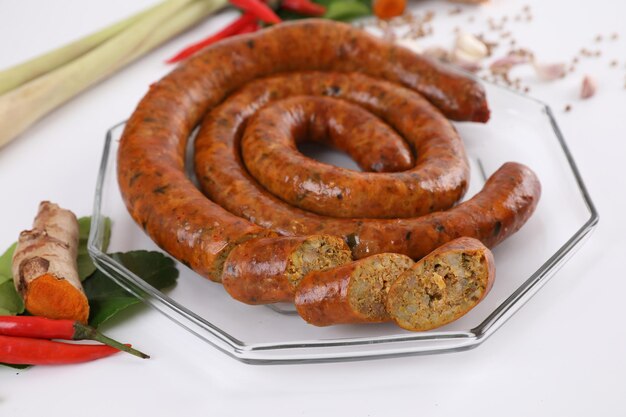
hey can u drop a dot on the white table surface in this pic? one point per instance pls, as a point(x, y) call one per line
point(562, 354)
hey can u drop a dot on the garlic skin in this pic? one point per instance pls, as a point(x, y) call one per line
point(550, 72)
point(503, 65)
point(470, 47)
point(588, 87)
point(465, 61)
point(437, 52)
point(410, 44)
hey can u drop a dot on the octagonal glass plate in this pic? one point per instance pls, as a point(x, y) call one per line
point(521, 129)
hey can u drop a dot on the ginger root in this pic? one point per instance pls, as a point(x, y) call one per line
point(44, 266)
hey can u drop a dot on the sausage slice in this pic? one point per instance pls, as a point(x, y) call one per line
point(351, 293)
point(443, 286)
point(263, 271)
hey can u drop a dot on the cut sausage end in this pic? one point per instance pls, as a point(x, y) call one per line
point(371, 281)
point(442, 287)
point(350, 293)
point(316, 253)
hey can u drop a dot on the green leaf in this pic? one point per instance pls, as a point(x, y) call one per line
point(347, 10)
point(10, 301)
point(5, 264)
point(106, 298)
point(86, 266)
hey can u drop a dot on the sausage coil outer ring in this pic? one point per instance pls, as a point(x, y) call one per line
point(200, 233)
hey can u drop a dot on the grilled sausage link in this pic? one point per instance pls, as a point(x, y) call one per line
point(268, 270)
point(151, 173)
point(436, 182)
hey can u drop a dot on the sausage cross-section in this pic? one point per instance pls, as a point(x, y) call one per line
point(352, 293)
point(443, 286)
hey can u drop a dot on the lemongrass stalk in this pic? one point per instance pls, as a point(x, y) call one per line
point(24, 105)
point(17, 75)
point(191, 15)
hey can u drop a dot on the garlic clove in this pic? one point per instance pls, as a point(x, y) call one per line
point(550, 72)
point(473, 48)
point(465, 61)
point(588, 87)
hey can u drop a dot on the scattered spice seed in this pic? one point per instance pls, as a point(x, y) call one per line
point(455, 11)
point(526, 90)
point(568, 108)
point(614, 36)
point(614, 63)
point(598, 38)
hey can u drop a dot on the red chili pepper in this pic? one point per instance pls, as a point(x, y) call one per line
point(27, 351)
point(251, 27)
point(231, 30)
point(259, 9)
point(305, 7)
point(43, 328)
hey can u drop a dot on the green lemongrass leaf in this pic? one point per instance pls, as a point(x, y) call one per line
point(15, 76)
point(347, 10)
point(24, 105)
point(10, 301)
point(5, 264)
point(106, 298)
point(86, 266)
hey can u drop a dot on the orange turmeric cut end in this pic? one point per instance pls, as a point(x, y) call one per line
point(54, 298)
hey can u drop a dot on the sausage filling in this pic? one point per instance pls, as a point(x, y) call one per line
point(370, 284)
point(316, 254)
point(439, 291)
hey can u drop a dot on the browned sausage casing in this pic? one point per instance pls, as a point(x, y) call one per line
point(268, 270)
point(436, 182)
point(199, 232)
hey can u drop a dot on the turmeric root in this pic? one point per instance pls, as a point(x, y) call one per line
point(44, 266)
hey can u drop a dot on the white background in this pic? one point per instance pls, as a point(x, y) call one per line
point(562, 354)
